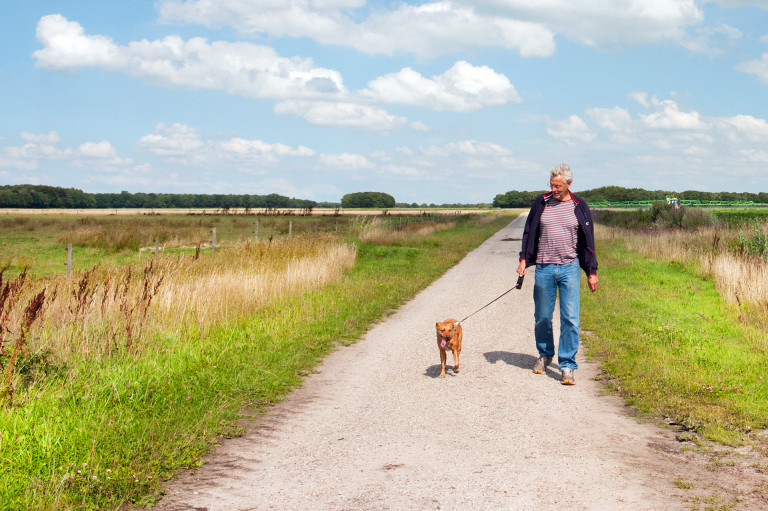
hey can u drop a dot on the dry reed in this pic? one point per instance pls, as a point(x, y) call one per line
point(110, 309)
point(377, 230)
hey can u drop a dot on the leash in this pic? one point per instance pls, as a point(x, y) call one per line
point(517, 286)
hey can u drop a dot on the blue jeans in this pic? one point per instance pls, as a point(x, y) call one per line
point(551, 279)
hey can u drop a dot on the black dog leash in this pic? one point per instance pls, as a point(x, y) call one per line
point(517, 286)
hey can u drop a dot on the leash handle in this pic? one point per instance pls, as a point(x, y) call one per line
point(519, 282)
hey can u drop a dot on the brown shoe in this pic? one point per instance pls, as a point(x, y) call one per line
point(541, 364)
point(567, 377)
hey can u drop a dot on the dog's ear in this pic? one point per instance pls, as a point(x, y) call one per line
point(437, 325)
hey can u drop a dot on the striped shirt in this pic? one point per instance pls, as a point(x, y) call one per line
point(558, 233)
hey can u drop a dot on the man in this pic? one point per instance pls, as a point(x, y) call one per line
point(558, 238)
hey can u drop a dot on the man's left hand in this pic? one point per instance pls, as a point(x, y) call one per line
point(592, 283)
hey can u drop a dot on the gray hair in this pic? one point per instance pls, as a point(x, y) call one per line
point(562, 170)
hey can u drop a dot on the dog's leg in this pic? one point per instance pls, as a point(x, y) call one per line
point(455, 360)
point(443, 360)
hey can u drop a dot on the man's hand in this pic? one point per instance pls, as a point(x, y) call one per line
point(592, 283)
point(521, 268)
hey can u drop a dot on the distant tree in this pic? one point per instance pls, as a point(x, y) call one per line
point(368, 200)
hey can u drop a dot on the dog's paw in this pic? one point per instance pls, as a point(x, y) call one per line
point(442, 375)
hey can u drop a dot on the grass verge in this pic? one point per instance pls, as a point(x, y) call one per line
point(674, 347)
point(99, 434)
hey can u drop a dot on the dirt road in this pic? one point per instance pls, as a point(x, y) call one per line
point(375, 428)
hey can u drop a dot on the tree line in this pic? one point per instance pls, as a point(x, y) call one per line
point(42, 197)
point(516, 199)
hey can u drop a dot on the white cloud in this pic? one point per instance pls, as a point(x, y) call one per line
point(174, 140)
point(745, 127)
point(183, 145)
point(346, 161)
point(757, 67)
point(612, 119)
point(669, 117)
point(101, 149)
point(442, 27)
point(256, 149)
point(572, 130)
point(711, 40)
point(238, 68)
point(66, 46)
point(428, 29)
point(48, 138)
point(342, 114)
point(462, 88)
point(604, 23)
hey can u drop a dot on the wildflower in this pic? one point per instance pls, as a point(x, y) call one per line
point(188, 397)
point(109, 471)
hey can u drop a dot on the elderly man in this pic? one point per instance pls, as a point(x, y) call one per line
point(558, 238)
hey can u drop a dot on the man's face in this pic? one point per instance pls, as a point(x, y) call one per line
point(559, 187)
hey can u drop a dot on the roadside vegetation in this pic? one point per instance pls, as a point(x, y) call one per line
point(118, 377)
point(679, 323)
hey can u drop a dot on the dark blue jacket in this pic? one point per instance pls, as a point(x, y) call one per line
point(585, 244)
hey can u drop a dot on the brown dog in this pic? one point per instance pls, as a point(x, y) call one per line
point(449, 338)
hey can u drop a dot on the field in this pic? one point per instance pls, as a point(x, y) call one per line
point(680, 322)
point(119, 376)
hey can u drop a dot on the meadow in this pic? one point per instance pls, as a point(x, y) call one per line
point(131, 369)
point(679, 324)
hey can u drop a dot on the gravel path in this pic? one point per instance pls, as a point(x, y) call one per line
point(375, 428)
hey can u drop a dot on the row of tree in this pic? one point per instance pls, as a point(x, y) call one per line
point(515, 199)
point(40, 196)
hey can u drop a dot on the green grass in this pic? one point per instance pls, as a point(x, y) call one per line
point(669, 343)
point(138, 420)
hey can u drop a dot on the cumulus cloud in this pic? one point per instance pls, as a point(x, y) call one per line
point(342, 114)
point(601, 23)
point(428, 29)
point(441, 27)
point(346, 161)
point(174, 140)
point(183, 145)
point(757, 67)
point(572, 130)
point(239, 68)
point(46, 147)
point(462, 88)
point(612, 119)
point(315, 94)
point(669, 117)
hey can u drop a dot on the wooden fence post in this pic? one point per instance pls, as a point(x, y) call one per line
point(69, 260)
point(290, 229)
point(213, 241)
point(157, 247)
point(256, 230)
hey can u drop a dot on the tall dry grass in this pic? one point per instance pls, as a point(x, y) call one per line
point(110, 309)
point(378, 230)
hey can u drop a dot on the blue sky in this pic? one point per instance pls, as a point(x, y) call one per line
point(431, 102)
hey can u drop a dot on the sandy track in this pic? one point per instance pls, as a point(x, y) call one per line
point(375, 428)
